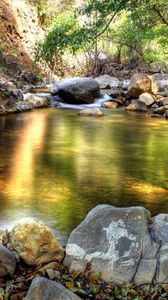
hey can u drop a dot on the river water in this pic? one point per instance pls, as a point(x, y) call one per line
point(55, 166)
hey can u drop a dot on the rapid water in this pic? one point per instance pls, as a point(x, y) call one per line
point(55, 166)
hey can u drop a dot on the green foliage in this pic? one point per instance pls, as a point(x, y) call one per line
point(57, 38)
point(139, 25)
point(143, 32)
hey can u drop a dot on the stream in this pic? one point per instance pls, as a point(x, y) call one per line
point(55, 166)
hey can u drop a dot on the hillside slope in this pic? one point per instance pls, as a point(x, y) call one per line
point(19, 32)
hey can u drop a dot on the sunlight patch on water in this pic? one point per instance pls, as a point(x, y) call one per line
point(24, 158)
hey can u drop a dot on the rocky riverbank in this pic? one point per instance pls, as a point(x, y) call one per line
point(141, 93)
point(115, 253)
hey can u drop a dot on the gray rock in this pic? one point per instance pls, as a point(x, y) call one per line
point(146, 271)
point(91, 112)
point(137, 105)
point(23, 106)
point(163, 101)
point(18, 94)
point(44, 289)
point(77, 90)
point(162, 270)
point(124, 244)
point(113, 240)
point(125, 84)
point(50, 274)
point(106, 81)
point(7, 262)
point(166, 114)
point(36, 101)
point(161, 110)
point(3, 236)
point(158, 67)
point(164, 93)
point(160, 224)
point(160, 81)
point(147, 98)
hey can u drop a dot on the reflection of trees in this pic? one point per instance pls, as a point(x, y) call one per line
point(100, 161)
point(62, 165)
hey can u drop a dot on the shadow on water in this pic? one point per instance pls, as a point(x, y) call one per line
point(56, 166)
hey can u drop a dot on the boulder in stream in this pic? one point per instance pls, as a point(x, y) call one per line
point(79, 90)
point(110, 104)
point(137, 105)
point(91, 112)
point(140, 83)
point(147, 98)
point(36, 101)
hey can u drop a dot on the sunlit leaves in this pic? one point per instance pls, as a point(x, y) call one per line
point(144, 23)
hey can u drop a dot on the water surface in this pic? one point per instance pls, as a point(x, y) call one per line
point(56, 166)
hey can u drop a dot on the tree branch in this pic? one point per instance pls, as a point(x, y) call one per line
point(160, 15)
point(113, 16)
point(126, 44)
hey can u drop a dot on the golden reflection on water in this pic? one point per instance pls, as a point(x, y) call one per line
point(146, 189)
point(62, 165)
point(29, 144)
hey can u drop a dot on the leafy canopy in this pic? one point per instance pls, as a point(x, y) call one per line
point(138, 24)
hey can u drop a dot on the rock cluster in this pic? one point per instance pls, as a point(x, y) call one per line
point(123, 245)
point(141, 93)
point(14, 100)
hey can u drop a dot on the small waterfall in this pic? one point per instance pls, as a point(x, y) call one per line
point(55, 102)
point(103, 98)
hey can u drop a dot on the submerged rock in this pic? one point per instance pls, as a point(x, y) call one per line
point(79, 90)
point(7, 262)
point(110, 104)
point(118, 242)
point(93, 112)
point(35, 243)
point(44, 289)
